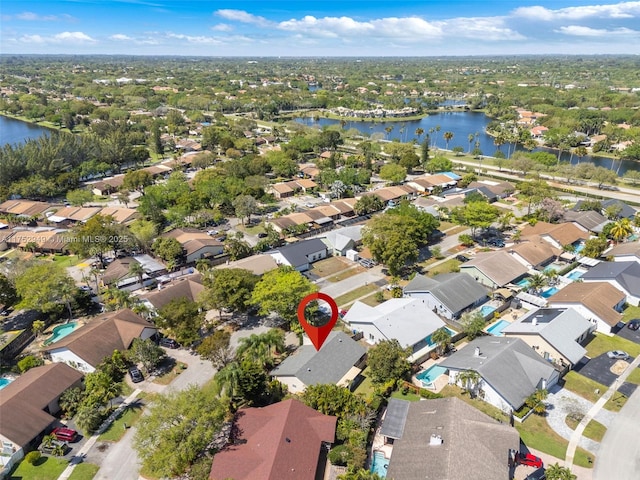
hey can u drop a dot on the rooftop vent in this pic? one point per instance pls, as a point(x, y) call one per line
point(435, 439)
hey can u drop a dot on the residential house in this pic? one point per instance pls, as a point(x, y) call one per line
point(625, 252)
point(589, 220)
point(280, 190)
point(448, 294)
point(538, 131)
point(497, 189)
point(309, 170)
point(533, 252)
point(343, 239)
point(72, 215)
point(300, 255)
point(189, 287)
point(619, 207)
point(509, 369)
point(257, 264)
point(556, 334)
point(40, 239)
point(283, 441)
point(25, 209)
point(426, 184)
point(107, 186)
point(85, 347)
point(448, 439)
point(196, 243)
point(599, 302)
point(119, 272)
point(408, 320)
point(27, 408)
point(121, 215)
point(625, 276)
point(494, 269)
point(557, 234)
point(338, 362)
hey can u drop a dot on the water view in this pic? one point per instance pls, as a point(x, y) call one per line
point(461, 124)
point(15, 131)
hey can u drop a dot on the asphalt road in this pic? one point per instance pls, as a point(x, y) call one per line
point(619, 456)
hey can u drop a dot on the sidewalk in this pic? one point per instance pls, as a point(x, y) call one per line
point(75, 460)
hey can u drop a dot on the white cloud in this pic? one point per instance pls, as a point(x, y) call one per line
point(121, 37)
point(580, 31)
point(481, 28)
point(34, 17)
point(242, 16)
point(222, 27)
point(200, 39)
point(617, 10)
point(77, 37)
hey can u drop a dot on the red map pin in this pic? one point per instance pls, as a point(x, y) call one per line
point(318, 334)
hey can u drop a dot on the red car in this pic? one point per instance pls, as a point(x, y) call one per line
point(64, 434)
point(528, 459)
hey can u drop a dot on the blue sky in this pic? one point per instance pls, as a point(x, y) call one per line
point(323, 28)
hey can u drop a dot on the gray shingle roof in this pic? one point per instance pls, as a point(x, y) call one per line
point(498, 265)
point(627, 274)
point(474, 445)
point(456, 291)
point(327, 365)
point(395, 418)
point(296, 253)
point(509, 365)
point(560, 327)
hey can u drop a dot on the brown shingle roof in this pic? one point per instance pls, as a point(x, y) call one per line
point(27, 208)
point(106, 333)
point(498, 265)
point(535, 250)
point(120, 215)
point(185, 287)
point(563, 233)
point(599, 297)
point(23, 401)
point(278, 442)
point(474, 446)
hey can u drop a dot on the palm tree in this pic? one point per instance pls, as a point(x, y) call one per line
point(552, 276)
point(537, 281)
point(436, 139)
point(441, 338)
point(580, 152)
point(447, 138)
point(261, 348)
point(136, 270)
point(227, 380)
point(388, 129)
point(556, 472)
point(67, 292)
point(419, 132)
point(37, 327)
point(536, 401)
point(470, 138)
point(621, 229)
point(469, 380)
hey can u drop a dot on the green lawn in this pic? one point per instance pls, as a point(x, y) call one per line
point(65, 260)
point(603, 343)
point(630, 313)
point(354, 294)
point(412, 397)
point(449, 266)
point(536, 433)
point(345, 274)
point(484, 407)
point(366, 387)
point(84, 471)
point(47, 468)
point(117, 429)
point(594, 430)
point(371, 299)
point(634, 377)
point(616, 402)
point(583, 386)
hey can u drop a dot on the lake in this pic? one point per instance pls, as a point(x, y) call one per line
point(15, 131)
point(461, 124)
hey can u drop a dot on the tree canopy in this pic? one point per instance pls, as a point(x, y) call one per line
point(387, 360)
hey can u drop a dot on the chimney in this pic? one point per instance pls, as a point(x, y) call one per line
point(476, 352)
point(435, 440)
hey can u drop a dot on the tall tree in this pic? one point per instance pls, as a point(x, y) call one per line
point(216, 349)
point(387, 360)
point(245, 206)
point(183, 318)
point(228, 288)
point(43, 286)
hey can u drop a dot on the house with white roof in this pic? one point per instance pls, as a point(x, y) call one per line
point(408, 320)
point(340, 241)
point(556, 334)
point(448, 294)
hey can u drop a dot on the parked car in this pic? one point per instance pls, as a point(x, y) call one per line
point(462, 258)
point(342, 313)
point(64, 434)
point(528, 459)
point(221, 238)
point(168, 343)
point(136, 375)
point(262, 235)
point(634, 324)
point(538, 474)
point(617, 354)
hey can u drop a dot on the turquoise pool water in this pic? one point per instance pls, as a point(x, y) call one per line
point(451, 332)
point(579, 247)
point(496, 328)
point(554, 266)
point(430, 374)
point(524, 282)
point(549, 292)
point(380, 464)
point(575, 275)
point(60, 332)
point(4, 382)
point(487, 310)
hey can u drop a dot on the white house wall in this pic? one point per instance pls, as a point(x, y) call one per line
point(65, 355)
point(315, 256)
point(490, 395)
point(294, 384)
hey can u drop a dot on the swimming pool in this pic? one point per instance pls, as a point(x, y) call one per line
point(429, 375)
point(523, 283)
point(487, 310)
point(380, 464)
point(4, 382)
point(496, 328)
point(60, 332)
point(549, 292)
point(576, 274)
point(554, 266)
point(430, 340)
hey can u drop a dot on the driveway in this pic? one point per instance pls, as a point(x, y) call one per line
point(371, 276)
point(633, 335)
point(599, 369)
